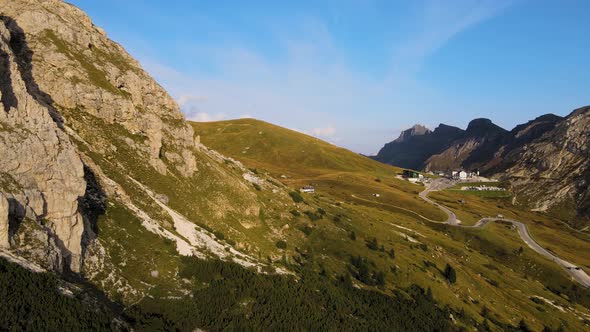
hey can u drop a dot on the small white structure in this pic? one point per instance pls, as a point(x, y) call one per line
point(376, 195)
point(308, 189)
point(459, 175)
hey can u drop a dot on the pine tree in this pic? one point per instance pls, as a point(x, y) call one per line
point(450, 274)
point(392, 253)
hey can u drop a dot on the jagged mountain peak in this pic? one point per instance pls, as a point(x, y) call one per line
point(444, 128)
point(411, 151)
point(483, 126)
point(415, 130)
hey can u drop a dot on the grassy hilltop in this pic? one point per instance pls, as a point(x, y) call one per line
point(298, 159)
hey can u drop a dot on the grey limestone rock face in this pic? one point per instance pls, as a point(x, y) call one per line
point(81, 69)
point(4, 221)
point(52, 60)
point(34, 150)
point(554, 168)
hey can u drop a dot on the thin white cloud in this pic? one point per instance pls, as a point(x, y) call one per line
point(184, 99)
point(206, 117)
point(311, 84)
point(437, 22)
point(326, 132)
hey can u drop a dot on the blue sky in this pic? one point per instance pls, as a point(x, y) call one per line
point(357, 72)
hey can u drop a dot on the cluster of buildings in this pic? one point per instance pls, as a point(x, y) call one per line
point(457, 175)
point(414, 176)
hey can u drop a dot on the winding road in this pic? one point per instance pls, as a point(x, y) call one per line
point(573, 270)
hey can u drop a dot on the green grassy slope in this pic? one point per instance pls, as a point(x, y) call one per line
point(298, 159)
point(318, 232)
point(283, 150)
point(497, 282)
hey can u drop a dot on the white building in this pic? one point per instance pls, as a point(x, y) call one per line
point(459, 175)
point(308, 189)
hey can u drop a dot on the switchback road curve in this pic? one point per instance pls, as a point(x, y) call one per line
point(573, 270)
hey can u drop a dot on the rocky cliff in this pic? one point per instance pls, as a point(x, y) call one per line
point(98, 169)
point(82, 129)
point(416, 130)
point(480, 142)
point(552, 173)
point(417, 144)
point(41, 171)
point(55, 61)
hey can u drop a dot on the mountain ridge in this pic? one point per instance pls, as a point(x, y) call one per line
point(420, 147)
point(497, 152)
point(416, 130)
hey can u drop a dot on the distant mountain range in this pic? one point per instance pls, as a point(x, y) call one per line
point(546, 159)
point(451, 148)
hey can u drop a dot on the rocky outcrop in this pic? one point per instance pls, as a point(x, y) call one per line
point(480, 143)
point(554, 169)
point(416, 130)
point(521, 135)
point(81, 69)
point(54, 61)
point(35, 151)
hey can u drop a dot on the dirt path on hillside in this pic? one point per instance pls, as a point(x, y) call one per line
point(573, 270)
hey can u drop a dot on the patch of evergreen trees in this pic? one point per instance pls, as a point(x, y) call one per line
point(31, 302)
point(450, 274)
point(231, 297)
point(363, 273)
point(296, 196)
